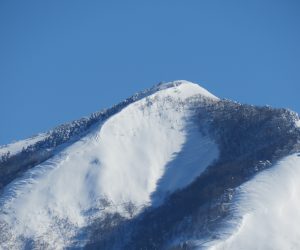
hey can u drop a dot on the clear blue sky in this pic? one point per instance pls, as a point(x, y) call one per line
point(63, 59)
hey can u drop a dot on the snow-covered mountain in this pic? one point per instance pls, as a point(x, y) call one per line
point(172, 167)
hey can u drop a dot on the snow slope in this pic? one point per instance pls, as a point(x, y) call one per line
point(16, 147)
point(137, 156)
point(268, 208)
point(298, 123)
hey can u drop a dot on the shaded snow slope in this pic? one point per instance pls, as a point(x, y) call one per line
point(268, 207)
point(137, 157)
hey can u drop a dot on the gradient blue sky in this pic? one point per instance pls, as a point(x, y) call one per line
point(63, 59)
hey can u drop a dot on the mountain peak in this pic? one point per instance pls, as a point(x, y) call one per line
point(160, 161)
point(188, 87)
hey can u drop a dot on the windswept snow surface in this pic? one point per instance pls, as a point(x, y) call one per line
point(136, 157)
point(268, 207)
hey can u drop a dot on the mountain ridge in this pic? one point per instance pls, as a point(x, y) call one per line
point(135, 97)
point(128, 177)
point(68, 133)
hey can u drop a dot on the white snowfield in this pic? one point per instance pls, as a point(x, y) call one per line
point(268, 208)
point(138, 156)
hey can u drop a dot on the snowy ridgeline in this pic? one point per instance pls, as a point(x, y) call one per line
point(170, 167)
point(64, 133)
point(18, 157)
point(135, 159)
point(17, 147)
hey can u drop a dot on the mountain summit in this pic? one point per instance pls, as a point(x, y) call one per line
point(172, 167)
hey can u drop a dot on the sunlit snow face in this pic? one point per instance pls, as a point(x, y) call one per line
point(135, 157)
point(268, 207)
